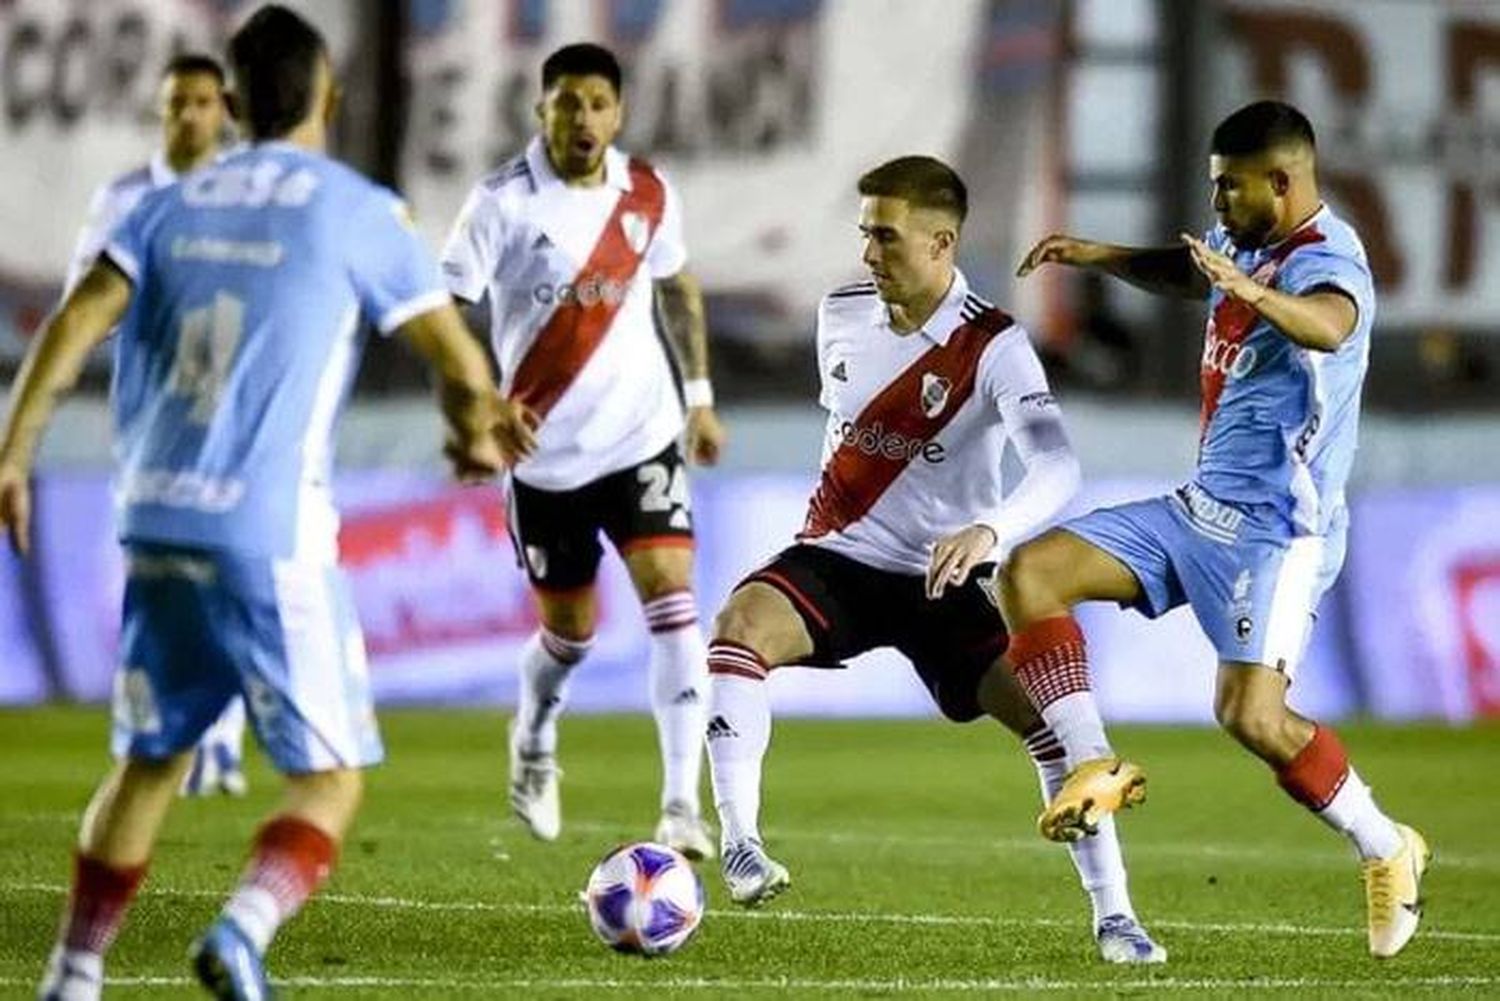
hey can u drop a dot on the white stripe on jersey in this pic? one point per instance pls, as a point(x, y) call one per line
point(317, 519)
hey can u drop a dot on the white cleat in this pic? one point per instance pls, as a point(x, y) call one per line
point(683, 830)
point(1392, 894)
point(71, 977)
point(1122, 940)
point(753, 877)
point(533, 791)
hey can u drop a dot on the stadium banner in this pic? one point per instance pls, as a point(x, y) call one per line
point(1424, 576)
point(1406, 98)
point(446, 609)
point(762, 112)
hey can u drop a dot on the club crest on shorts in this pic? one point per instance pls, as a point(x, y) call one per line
point(935, 391)
point(637, 230)
point(536, 559)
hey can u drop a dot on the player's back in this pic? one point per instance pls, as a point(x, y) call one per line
point(1281, 422)
point(240, 345)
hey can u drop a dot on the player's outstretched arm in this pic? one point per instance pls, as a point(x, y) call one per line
point(485, 432)
point(680, 302)
point(1158, 270)
point(1320, 319)
point(52, 365)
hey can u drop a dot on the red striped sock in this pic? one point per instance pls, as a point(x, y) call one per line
point(728, 657)
point(96, 907)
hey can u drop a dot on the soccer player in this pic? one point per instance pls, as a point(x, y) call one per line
point(1257, 536)
point(241, 290)
point(925, 383)
point(575, 243)
point(191, 105)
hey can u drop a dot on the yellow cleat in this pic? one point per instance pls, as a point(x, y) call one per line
point(1391, 894)
point(1091, 791)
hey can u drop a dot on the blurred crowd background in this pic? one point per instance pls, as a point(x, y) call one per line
point(1089, 116)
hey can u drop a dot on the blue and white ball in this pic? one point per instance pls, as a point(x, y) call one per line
point(644, 898)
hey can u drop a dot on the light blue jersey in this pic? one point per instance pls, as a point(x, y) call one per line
point(1280, 422)
point(241, 342)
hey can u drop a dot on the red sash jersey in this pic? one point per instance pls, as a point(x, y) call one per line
point(569, 275)
point(918, 426)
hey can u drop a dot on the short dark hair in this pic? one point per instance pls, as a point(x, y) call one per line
point(581, 59)
point(275, 58)
point(1261, 126)
point(924, 181)
point(187, 63)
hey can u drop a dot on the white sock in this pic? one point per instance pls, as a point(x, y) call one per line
point(546, 661)
point(1098, 859)
point(679, 690)
point(1353, 812)
point(1075, 719)
point(258, 914)
point(739, 732)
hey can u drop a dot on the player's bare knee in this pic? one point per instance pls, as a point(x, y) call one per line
point(1024, 586)
point(660, 570)
point(571, 618)
point(755, 619)
point(1252, 722)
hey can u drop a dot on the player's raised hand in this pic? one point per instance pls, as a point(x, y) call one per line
point(515, 430)
point(953, 556)
point(15, 506)
point(1221, 271)
point(705, 436)
point(1059, 248)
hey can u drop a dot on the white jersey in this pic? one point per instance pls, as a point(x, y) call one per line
point(569, 273)
point(917, 429)
point(111, 203)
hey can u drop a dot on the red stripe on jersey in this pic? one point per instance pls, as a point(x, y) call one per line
point(575, 329)
point(898, 425)
point(1229, 325)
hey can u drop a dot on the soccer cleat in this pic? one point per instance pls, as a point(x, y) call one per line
point(682, 829)
point(71, 977)
point(1391, 894)
point(753, 877)
point(1095, 788)
point(533, 790)
point(229, 965)
point(216, 769)
point(1122, 940)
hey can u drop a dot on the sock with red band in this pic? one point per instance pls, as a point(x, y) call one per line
point(546, 662)
point(1050, 663)
point(290, 860)
point(739, 732)
point(100, 896)
point(679, 693)
point(1321, 779)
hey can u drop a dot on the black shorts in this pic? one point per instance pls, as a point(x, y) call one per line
point(557, 532)
point(850, 608)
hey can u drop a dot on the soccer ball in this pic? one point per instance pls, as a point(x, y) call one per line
point(644, 898)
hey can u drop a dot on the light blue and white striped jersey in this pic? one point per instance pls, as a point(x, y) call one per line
point(241, 341)
point(1280, 422)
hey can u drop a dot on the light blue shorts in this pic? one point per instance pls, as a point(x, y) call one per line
point(201, 627)
point(1253, 585)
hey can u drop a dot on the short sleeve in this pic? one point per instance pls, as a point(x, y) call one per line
point(473, 246)
point(1014, 380)
point(129, 241)
point(394, 275)
point(820, 348)
point(1321, 266)
point(92, 238)
point(667, 254)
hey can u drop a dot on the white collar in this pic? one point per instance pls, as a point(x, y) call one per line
point(948, 316)
point(616, 167)
point(160, 170)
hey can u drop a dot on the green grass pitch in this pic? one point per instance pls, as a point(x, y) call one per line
point(916, 869)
